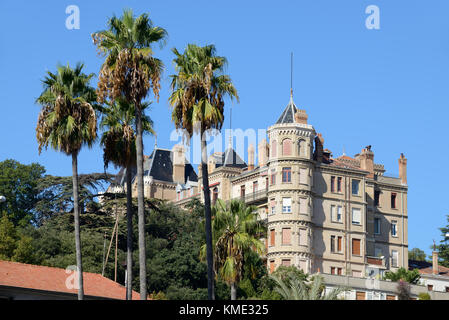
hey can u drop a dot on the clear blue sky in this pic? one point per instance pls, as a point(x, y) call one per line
point(387, 88)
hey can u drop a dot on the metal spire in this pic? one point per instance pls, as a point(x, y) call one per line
point(230, 128)
point(291, 75)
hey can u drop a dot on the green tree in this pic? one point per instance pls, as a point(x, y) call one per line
point(129, 71)
point(417, 254)
point(119, 147)
point(18, 183)
point(67, 122)
point(14, 246)
point(198, 92)
point(443, 247)
point(410, 276)
point(295, 288)
point(236, 232)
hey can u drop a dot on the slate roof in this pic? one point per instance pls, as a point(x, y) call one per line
point(21, 275)
point(288, 115)
point(230, 158)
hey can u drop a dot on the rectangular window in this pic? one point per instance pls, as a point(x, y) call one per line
point(273, 206)
point(356, 247)
point(302, 205)
point(255, 186)
point(286, 262)
point(286, 175)
point(339, 271)
point(332, 243)
point(286, 236)
point(332, 184)
point(272, 266)
point(339, 184)
point(273, 177)
point(394, 258)
point(393, 200)
point(242, 191)
point(429, 287)
point(339, 214)
point(286, 205)
point(377, 252)
point(302, 237)
point(355, 187)
point(303, 176)
point(376, 197)
point(332, 270)
point(272, 237)
point(356, 216)
point(376, 225)
point(339, 244)
point(394, 228)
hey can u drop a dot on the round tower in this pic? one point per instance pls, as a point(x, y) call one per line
point(290, 205)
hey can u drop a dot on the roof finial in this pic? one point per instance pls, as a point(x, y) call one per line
point(291, 75)
point(155, 141)
point(344, 151)
point(230, 128)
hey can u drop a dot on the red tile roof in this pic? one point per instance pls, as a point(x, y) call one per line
point(14, 274)
point(442, 271)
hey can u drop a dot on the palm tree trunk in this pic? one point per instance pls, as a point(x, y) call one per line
point(129, 244)
point(140, 205)
point(76, 214)
point(233, 291)
point(208, 227)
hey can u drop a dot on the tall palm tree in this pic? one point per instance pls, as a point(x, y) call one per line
point(199, 89)
point(236, 231)
point(293, 287)
point(130, 71)
point(67, 121)
point(119, 147)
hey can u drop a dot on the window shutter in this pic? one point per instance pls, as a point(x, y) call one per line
point(287, 147)
point(286, 236)
point(272, 237)
point(356, 216)
point(303, 176)
point(303, 237)
point(333, 213)
point(287, 202)
point(303, 205)
point(356, 247)
point(273, 148)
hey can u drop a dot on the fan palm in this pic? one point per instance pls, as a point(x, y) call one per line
point(119, 147)
point(236, 231)
point(67, 121)
point(130, 71)
point(293, 287)
point(198, 92)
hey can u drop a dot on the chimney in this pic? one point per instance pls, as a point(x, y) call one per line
point(319, 143)
point(179, 163)
point(250, 157)
point(367, 161)
point(301, 116)
point(403, 169)
point(435, 262)
point(263, 153)
point(211, 164)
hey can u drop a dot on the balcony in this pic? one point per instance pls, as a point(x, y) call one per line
point(376, 261)
point(257, 197)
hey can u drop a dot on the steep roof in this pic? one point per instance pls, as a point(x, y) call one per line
point(288, 115)
point(230, 158)
point(20, 275)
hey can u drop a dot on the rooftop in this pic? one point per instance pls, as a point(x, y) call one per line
point(50, 279)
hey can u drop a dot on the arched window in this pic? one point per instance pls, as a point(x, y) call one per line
point(273, 148)
point(287, 147)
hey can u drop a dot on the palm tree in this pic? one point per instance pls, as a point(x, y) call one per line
point(67, 121)
point(199, 89)
point(129, 72)
point(292, 287)
point(119, 147)
point(236, 232)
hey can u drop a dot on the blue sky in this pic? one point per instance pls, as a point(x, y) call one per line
point(387, 88)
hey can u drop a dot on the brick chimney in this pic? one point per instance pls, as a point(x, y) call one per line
point(319, 143)
point(179, 163)
point(211, 164)
point(301, 117)
point(435, 262)
point(250, 157)
point(403, 169)
point(367, 161)
point(263, 153)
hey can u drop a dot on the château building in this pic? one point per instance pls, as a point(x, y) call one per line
point(339, 216)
